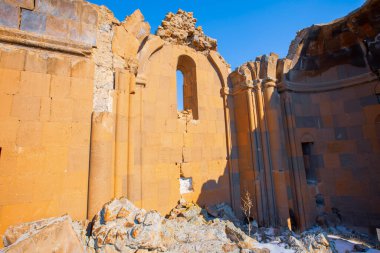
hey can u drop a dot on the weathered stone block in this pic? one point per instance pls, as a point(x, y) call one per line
point(56, 134)
point(82, 110)
point(368, 100)
point(36, 62)
point(83, 69)
point(5, 105)
point(81, 88)
point(9, 81)
point(308, 122)
point(88, 34)
point(8, 132)
point(45, 109)
point(9, 15)
point(33, 21)
point(347, 160)
point(61, 109)
point(47, 6)
point(57, 27)
point(80, 134)
point(119, 45)
point(58, 234)
point(13, 59)
point(89, 15)
point(29, 134)
point(25, 4)
point(341, 133)
point(74, 30)
point(82, 33)
point(60, 86)
point(69, 9)
point(59, 66)
point(26, 108)
point(34, 84)
point(78, 158)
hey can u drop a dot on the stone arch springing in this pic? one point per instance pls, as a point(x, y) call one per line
point(189, 87)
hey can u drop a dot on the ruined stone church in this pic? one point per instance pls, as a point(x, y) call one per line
point(88, 113)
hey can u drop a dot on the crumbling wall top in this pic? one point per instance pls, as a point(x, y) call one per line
point(180, 29)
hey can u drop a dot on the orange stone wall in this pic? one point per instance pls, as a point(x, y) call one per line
point(45, 112)
point(169, 143)
point(46, 101)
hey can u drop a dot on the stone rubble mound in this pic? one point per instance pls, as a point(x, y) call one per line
point(180, 29)
point(122, 227)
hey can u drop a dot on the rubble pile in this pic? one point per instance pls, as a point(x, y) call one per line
point(180, 29)
point(122, 227)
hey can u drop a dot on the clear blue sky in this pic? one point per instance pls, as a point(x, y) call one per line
point(244, 29)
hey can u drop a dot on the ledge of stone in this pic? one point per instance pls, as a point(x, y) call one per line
point(15, 36)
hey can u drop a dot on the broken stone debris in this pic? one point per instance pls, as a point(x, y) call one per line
point(180, 29)
point(122, 227)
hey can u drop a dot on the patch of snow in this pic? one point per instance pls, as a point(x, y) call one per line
point(274, 247)
point(343, 245)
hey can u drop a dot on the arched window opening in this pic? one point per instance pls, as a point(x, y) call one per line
point(180, 91)
point(188, 93)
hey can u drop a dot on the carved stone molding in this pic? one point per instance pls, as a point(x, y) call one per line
point(326, 86)
point(22, 38)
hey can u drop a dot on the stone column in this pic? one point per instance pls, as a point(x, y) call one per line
point(267, 181)
point(102, 161)
point(277, 148)
point(122, 129)
point(255, 154)
point(131, 153)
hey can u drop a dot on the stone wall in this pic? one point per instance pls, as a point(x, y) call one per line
point(67, 20)
point(46, 104)
point(342, 126)
point(309, 149)
point(329, 103)
point(171, 144)
point(46, 100)
point(88, 112)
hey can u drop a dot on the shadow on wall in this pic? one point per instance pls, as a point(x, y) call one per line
point(216, 191)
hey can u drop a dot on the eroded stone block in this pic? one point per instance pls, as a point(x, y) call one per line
point(26, 4)
point(57, 27)
point(9, 15)
point(89, 15)
point(32, 21)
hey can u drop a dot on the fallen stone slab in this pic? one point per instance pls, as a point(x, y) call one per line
point(50, 235)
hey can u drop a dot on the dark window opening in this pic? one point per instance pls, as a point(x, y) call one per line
point(186, 66)
point(310, 170)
